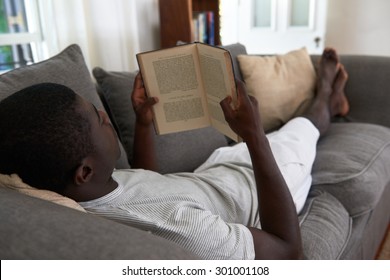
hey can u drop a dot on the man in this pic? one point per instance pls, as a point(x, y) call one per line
point(241, 203)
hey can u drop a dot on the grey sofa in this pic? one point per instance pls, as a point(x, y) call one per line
point(345, 216)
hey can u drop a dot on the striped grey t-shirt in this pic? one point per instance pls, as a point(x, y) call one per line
point(206, 212)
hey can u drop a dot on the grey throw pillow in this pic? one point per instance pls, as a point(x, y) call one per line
point(176, 152)
point(67, 68)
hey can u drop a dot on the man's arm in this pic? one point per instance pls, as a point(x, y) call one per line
point(280, 236)
point(143, 149)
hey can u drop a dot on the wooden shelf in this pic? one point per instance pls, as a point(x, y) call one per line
point(176, 20)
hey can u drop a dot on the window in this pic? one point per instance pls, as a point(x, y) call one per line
point(262, 13)
point(20, 33)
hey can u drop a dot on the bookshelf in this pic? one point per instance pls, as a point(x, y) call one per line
point(176, 20)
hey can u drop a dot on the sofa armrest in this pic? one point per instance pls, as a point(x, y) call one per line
point(32, 228)
point(368, 88)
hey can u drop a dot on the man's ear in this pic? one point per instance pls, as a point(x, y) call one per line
point(83, 173)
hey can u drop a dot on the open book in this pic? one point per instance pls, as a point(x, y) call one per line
point(189, 80)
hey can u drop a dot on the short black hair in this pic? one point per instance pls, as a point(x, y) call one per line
point(43, 136)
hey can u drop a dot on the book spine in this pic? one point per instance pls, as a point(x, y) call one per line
point(195, 23)
point(210, 28)
point(202, 28)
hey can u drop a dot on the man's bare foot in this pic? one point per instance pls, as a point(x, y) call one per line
point(339, 105)
point(327, 71)
point(320, 113)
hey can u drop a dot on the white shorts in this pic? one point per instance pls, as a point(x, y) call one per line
point(294, 149)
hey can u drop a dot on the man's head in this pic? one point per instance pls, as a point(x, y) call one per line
point(47, 137)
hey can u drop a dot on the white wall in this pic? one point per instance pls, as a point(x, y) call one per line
point(148, 24)
point(359, 26)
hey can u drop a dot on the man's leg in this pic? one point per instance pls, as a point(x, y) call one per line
point(294, 146)
point(294, 149)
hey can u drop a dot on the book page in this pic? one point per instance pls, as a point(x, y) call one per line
point(173, 76)
point(219, 82)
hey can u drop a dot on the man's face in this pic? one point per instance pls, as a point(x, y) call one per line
point(103, 137)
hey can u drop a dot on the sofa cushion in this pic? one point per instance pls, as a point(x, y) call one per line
point(352, 164)
point(67, 68)
point(115, 89)
point(176, 152)
point(325, 227)
point(283, 84)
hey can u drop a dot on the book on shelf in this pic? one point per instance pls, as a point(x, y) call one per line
point(203, 27)
point(210, 28)
point(190, 81)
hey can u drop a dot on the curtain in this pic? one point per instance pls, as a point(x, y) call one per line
point(108, 31)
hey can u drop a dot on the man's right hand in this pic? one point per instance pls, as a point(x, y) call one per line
point(244, 119)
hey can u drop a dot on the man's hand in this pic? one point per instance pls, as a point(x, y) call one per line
point(244, 119)
point(142, 105)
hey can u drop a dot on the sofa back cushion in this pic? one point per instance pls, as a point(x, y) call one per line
point(235, 50)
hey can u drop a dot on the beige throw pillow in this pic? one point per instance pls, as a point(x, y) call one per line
point(15, 183)
point(283, 84)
